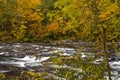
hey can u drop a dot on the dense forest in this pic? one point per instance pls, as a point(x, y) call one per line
point(45, 20)
point(95, 21)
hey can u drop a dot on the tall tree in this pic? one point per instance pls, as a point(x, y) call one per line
point(27, 20)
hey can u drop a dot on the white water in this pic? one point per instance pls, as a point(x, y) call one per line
point(1, 47)
point(31, 61)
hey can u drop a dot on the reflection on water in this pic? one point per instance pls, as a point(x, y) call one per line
point(30, 55)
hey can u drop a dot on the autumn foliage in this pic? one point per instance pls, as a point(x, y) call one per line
point(31, 20)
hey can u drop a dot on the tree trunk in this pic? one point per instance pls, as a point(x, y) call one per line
point(106, 54)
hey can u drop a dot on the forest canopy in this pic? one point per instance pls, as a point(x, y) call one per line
point(44, 20)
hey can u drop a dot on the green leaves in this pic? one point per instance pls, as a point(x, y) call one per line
point(77, 19)
point(19, 32)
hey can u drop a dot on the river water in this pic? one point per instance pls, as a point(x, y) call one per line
point(15, 57)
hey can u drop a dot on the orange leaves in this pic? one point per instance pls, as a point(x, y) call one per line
point(27, 9)
point(53, 27)
point(34, 17)
point(28, 3)
point(52, 30)
point(27, 15)
point(35, 2)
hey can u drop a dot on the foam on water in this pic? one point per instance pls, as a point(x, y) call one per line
point(1, 53)
point(28, 60)
point(1, 47)
point(17, 45)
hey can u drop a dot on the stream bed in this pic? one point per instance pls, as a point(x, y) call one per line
point(15, 57)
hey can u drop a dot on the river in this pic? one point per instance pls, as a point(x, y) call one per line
point(16, 57)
